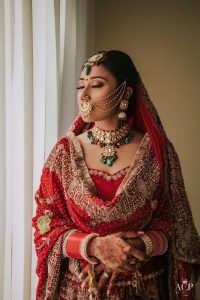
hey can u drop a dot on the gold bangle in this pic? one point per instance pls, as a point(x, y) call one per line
point(148, 244)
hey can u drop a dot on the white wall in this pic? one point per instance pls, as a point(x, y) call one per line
point(2, 149)
point(163, 38)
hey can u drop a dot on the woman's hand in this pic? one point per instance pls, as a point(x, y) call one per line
point(115, 252)
point(104, 275)
point(137, 243)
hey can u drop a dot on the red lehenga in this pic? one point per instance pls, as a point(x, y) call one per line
point(150, 195)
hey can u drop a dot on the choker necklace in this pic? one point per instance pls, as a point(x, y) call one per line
point(109, 141)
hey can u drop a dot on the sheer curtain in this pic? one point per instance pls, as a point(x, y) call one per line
point(16, 147)
point(60, 29)
point(42, 45)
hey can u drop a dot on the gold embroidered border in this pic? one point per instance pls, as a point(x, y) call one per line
point(139, 184)
point(136, 189)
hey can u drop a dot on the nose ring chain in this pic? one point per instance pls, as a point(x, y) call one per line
point(87, 105)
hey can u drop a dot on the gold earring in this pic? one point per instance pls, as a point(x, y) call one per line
point(122, 116)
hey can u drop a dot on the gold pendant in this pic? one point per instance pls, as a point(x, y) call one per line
point(109, 151)
point(109, 155)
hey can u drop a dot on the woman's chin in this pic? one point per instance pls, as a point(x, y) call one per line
point(87, 119)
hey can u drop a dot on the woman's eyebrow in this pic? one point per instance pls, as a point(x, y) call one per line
point(95, 77)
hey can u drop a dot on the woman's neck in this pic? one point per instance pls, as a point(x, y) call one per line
point(108, 125)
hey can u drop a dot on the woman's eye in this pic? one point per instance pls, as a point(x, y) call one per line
point(97, 85)
point(93, 86)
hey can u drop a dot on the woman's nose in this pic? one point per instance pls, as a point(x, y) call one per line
point(85, 92)
point(85, 98)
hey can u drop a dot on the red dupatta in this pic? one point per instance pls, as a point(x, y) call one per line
point(66, 199)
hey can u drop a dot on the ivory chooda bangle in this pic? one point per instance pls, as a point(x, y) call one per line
point(84, 246)
point(148, 244)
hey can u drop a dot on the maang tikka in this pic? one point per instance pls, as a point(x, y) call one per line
point(94, 60)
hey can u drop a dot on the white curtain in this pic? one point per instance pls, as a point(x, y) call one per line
point(42, 46)
point(16, 146)
point(2, 147)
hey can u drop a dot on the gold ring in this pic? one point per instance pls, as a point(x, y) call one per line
point(106, 275)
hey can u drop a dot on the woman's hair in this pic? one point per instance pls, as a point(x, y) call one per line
point(120, 65)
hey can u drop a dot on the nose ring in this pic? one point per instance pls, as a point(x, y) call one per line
point(86, 106)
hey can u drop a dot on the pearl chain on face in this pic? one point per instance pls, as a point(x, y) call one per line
point(87, 105)
point(120, 88)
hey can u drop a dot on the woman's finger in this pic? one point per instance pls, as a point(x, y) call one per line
point(84, 273)
point(126, 267)
point(111, 282)
point(85, 277)
point(103, 280)
point(85, 282)
point(130, 234)
point(137, 254)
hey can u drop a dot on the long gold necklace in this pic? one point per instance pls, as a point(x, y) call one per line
point(109, 141)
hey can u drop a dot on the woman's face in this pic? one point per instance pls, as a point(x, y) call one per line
point(98, 84)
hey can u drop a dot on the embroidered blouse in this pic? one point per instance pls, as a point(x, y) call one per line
point(107, 184)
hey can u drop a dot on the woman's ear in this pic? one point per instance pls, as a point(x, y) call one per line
point(129, 92)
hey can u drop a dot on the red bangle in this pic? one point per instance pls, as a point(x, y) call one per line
point(159, 242)
point(73, 244)
point(65, 239)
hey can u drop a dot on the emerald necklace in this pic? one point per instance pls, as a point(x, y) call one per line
point(109, 141)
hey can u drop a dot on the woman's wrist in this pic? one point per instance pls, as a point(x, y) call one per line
point(79, 245)
point(91, 246)
point(85, 253)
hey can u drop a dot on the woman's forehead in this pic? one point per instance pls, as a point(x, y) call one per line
point(96, 71)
